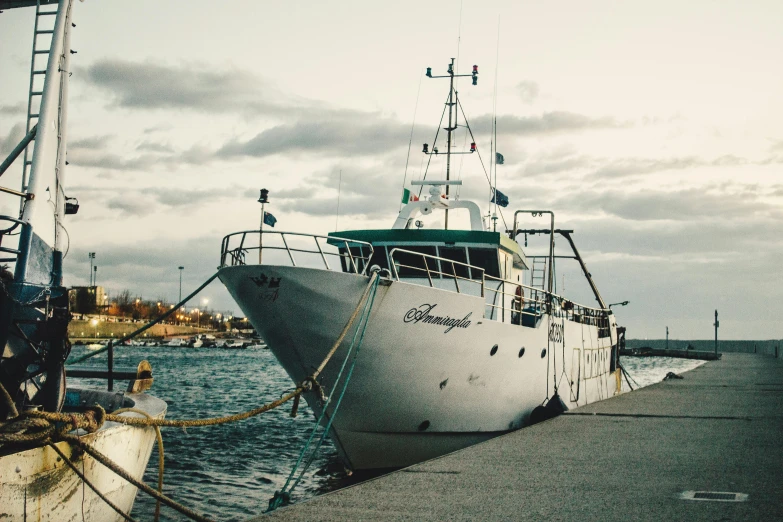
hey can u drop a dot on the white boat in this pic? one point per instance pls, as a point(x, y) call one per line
point(35, 483)
point(466, 337)
point(176, 343)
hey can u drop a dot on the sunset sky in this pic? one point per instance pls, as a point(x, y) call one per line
point(653, 129)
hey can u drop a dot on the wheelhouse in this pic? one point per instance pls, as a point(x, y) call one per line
point(414, 254)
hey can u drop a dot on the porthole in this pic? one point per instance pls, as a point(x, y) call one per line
point(522, 351)
point(494, 350)
point(543, 353)
point(424, 425)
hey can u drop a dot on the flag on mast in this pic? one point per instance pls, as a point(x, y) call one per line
point(408, 196)
point(502, 199)
point(269, 219)
point(499, 159)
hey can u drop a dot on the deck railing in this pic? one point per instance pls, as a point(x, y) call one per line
point(352, 255)
point(439, 268)
point(505, 301)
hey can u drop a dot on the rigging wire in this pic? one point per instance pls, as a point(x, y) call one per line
point(486, 175)
point(434, 143)
point(495, 125)
point(410, 141)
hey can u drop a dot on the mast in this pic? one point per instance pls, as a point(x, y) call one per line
point(449, 130)
point(452, 125)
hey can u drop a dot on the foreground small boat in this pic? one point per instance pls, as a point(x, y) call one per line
point(457, 347)
point(35, 482)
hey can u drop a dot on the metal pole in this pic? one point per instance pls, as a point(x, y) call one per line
point(111, 365)
point(448, 146)
point(261, 235)
point(717, 323)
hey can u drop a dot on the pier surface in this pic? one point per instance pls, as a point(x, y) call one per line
point(719, 429)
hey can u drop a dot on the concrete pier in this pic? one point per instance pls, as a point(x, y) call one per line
point(632, 457)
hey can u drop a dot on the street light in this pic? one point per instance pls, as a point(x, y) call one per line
point(91, 256)
point(623, 303)
point(180, 283)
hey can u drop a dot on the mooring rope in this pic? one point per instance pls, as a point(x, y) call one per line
point(283, 497)
point(161, 453)
point(89, 483)
point(49, 427)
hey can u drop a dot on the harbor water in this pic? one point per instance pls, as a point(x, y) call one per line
point(230, 472)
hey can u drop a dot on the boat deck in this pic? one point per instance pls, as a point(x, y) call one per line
point(635, 456)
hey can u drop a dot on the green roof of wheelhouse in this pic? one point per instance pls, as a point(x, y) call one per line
point(434, 237)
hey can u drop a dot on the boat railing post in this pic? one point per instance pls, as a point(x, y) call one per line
point(427, 269)
point(288, 249)
point(350, 256)
point(456, 279)
point(318, 244)
point(110, 363)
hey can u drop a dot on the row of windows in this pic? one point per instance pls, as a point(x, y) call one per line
point(416, 266)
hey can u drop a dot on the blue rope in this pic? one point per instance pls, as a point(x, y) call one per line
point(283, 497)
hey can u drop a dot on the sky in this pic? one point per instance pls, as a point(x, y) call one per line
point(653, 130)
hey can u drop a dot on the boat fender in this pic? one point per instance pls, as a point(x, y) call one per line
point(554, 407)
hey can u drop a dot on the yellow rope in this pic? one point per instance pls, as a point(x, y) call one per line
point(103, 459)
point(161, 454)
point(9, 402)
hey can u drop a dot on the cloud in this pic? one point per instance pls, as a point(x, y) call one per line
point(91, 143)
point(370, 135)
point(547, 123)
point(149, 85)
point(186, 198)
point(689, 205)
point(155, 147)
point(132, 201)
point(13, 138)
point(17, 109)
point(528, 91)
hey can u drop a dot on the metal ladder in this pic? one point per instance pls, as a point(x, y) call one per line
point(36, 88)
point(538, 273)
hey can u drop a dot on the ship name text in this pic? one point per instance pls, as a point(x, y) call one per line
point(423, 314)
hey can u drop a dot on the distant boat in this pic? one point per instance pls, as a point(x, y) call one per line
point(176, 343)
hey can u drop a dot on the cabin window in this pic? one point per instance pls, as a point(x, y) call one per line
point(454, 254)
point(485, 258)
point(359, 253)
point(412, 265)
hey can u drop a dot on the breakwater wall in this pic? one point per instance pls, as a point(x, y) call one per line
point(763, 347)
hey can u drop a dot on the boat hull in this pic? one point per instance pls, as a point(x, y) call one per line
point(38, 485)
point(433, 375)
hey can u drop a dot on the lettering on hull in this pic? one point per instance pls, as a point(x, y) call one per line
point(422, 314)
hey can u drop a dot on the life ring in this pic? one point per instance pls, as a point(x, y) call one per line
point(519, 298)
